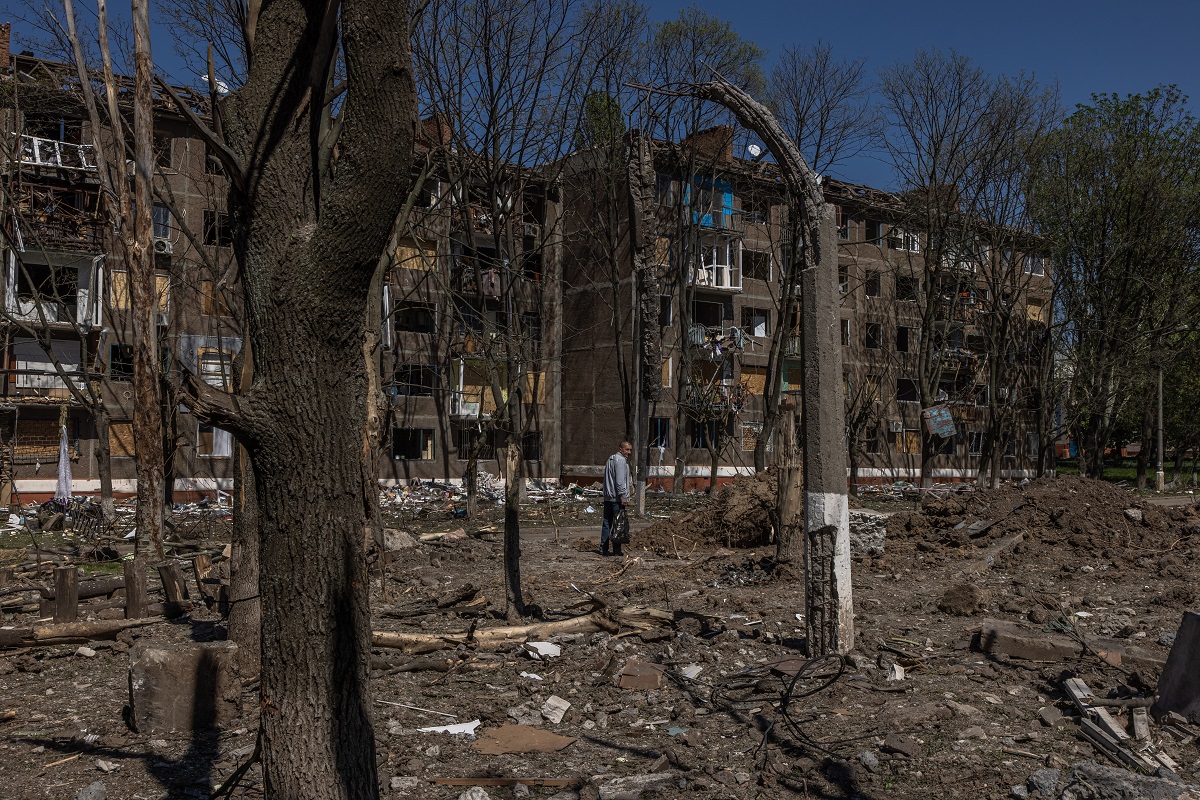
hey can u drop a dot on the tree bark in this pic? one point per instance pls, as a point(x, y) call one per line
point(513, 478)
point(311, 221)
point(245, 612)
point(108, 509)
point(789, 522)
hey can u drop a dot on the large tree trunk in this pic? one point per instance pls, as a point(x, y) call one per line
point(147, 364)
point(245, 613)
point(789, 519)
point(104, 462)
point(311, 223)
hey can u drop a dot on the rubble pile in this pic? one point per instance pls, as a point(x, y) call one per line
point(999, 652)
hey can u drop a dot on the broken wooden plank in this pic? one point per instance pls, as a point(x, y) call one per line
point(1083, 698)
point(1111, 748)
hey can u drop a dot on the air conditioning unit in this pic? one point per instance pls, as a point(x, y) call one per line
point(895, 426)
point(161, 319)
point(163, 247)
point(532, 229)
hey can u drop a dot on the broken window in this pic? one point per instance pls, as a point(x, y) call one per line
point(120, 362)
point(843, 278)
point(907, 391)
point(845, 323)
point(660, 432)
point(212, 442)
point(162, 150)
point(873, 439)
point(908, 288)
point(414, 317)
point(874, 335)
point(756, 264)
point(218, 229)
point(664, 189)
point(416, 380)
point(710, 315)
point(531, 324)
point(871, 388)
point(903, 337)
point(1035, 265)
point(974, 443)
point(412, 444)
point(666, 306)
point(900, 239)
point(705, 433)
point(531, 445)
point(756, 321)
point(843, 223)
point(874, 283)
point(874, 231)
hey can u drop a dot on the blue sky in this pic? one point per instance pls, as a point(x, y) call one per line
point(1098, 46)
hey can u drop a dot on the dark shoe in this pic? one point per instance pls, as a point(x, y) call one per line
point(618, 553)
point(603, 551)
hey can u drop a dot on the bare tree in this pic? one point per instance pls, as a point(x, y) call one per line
point(955, 137)
point(821, 102)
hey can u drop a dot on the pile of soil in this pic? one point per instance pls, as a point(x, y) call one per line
point(742, 514)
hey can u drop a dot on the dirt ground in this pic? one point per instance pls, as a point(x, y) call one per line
point(723, 712)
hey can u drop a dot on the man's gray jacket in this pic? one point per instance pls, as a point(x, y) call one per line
point(616, 478)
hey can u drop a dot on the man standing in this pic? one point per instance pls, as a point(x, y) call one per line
point(616, 494)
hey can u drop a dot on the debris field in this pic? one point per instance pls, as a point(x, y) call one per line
point(1009, 643)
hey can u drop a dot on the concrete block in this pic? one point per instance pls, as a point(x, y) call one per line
point(1179, 684)
point(183, 687)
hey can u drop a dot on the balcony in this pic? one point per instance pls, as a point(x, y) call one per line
point(39, 380)
point(61, 232)
point(793, 346)
point(721, 277)
point(34, 151)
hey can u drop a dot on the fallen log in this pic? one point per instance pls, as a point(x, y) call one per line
point(489, 638)
point(70, 633)
point(99, 587)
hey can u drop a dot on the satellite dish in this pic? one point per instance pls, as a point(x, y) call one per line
point(754, 150)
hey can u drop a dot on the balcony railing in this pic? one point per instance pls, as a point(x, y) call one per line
point(38, 379)
point(39, 152)
point(725, 277)
point(62, 232)
point(462, 406)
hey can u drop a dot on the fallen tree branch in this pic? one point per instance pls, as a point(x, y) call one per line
point(71, 632)
point(609, 620)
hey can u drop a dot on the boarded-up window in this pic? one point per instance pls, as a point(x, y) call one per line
point(1035, 309)
point(908, 442)
point(119, 291)
point(662, 251)
point(793, 376)
point(411, 254)
point(212, 300)
point(120, 439)
point(754, 379)
point(535, 388)
point(666, 372)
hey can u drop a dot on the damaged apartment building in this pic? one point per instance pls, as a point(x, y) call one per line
point(471, 320)
point(65, 314)
point(722, 239)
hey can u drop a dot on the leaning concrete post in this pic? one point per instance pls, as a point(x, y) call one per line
point(828, 600)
